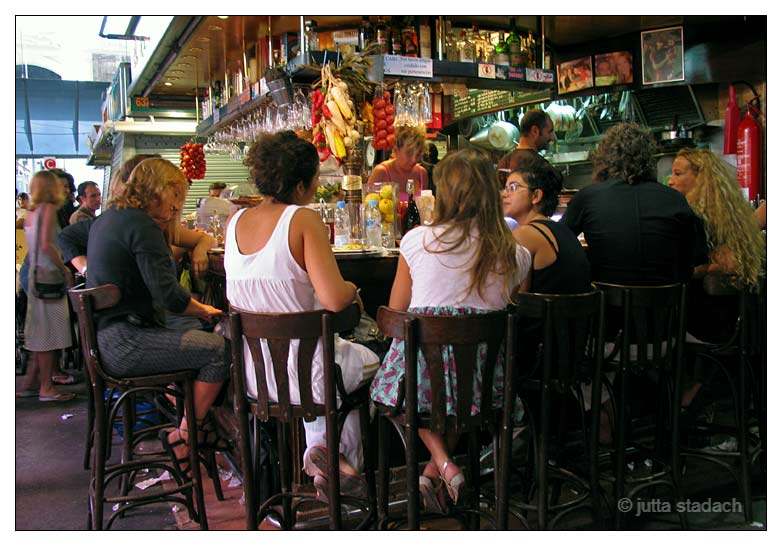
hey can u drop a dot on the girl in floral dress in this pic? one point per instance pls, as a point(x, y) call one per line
point(467, 262)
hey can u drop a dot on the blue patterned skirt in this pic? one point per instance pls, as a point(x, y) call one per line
point(386, 386)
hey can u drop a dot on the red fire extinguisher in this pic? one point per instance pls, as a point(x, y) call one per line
point(748, 152)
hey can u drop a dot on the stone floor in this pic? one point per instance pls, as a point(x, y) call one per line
point(49, 450)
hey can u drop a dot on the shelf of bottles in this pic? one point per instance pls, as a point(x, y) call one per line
point(475, 57)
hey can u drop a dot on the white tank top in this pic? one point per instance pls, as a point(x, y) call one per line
point(270, 281)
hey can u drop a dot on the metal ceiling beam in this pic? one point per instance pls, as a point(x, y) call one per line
point(76, 119)
point(27, 125)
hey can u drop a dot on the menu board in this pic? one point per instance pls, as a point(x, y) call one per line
point(492, 100)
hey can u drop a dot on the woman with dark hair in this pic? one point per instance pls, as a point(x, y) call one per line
point(559, 263)
point(69, 190)
point(278, 260)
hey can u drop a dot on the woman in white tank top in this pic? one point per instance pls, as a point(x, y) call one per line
point(278, 260)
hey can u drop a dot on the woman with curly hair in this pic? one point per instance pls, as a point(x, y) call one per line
point(128, 247)
point(638, 230)
point(736, 245)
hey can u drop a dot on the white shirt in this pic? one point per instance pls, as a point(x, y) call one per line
point(442, 279)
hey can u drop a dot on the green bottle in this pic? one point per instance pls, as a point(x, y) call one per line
point(501, 51)
point(514, 46)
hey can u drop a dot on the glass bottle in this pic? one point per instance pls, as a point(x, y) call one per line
point(365, 33)
point(396, 41)
point(311, 35)
point(501, 51)
point(373, 228)
point(467, 50)
point(532, 51)
point(382, 36)
point(514, 46)
point(412, 218)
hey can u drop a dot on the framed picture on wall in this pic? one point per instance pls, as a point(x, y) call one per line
point(614, 68)
point(662, 55)
point(575, 75)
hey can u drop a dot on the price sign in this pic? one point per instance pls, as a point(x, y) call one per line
point(216, 115)
point(396, 65)
point(141, 102)
point(245, 96)
point(538, 75)
point(487, 71)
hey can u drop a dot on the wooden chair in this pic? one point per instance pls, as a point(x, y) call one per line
point(465, 333)
point(569, 330)
point(652, 323)
point(278, 330)
point(86, 302)
point(741, 363)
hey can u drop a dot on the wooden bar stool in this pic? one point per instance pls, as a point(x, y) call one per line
point(279, 330)
point(743, 355)
point(567, 332)
point(650, 343)
point(464, 333)
point(85, 302)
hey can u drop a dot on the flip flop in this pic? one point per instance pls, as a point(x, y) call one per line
point(59, 397)
point(27, 393)
point(63, 379)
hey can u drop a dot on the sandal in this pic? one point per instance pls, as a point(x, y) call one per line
point(59, 397)
point(63, 379)
point(431, 495)
point(181, 464)
point(316, 465)
point(455, 484)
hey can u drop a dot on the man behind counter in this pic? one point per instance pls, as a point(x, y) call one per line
point(537, 131)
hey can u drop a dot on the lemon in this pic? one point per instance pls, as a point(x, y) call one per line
point(387, 192)
point(386, 206)
point(388, 218)
point(371, 197)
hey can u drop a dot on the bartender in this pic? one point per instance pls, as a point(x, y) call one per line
point(537, 131)
point(404, 164)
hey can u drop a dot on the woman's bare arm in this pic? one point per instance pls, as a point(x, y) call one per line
point(402, 290)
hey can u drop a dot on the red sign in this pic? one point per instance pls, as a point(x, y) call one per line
point(49, 163)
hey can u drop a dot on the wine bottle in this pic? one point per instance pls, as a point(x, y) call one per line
point(413, 218)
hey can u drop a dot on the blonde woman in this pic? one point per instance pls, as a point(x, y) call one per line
point(466, 262)
point(404, 164)
point(128, 248)
point(735, 243)
point(47, 323)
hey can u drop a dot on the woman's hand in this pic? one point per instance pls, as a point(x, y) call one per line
point(199, 261)
point(208, 313)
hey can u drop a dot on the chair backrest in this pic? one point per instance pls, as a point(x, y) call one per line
point(570, 327)
point(464, 333)
point(85, 302)
point(653, 319)
point(752, 319)
point(279, 329)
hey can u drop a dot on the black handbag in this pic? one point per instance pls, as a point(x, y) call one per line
point(45, 290)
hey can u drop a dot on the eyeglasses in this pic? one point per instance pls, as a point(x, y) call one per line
point(513, 187)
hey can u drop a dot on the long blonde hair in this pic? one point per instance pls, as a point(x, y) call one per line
point(45, 187)
point(147, 182)
point(728, 218)
point(468, 200)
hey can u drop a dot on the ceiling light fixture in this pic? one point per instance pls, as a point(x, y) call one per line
point(168, 84)
point(222, 16)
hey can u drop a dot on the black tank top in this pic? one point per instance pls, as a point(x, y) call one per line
point(569, 273)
